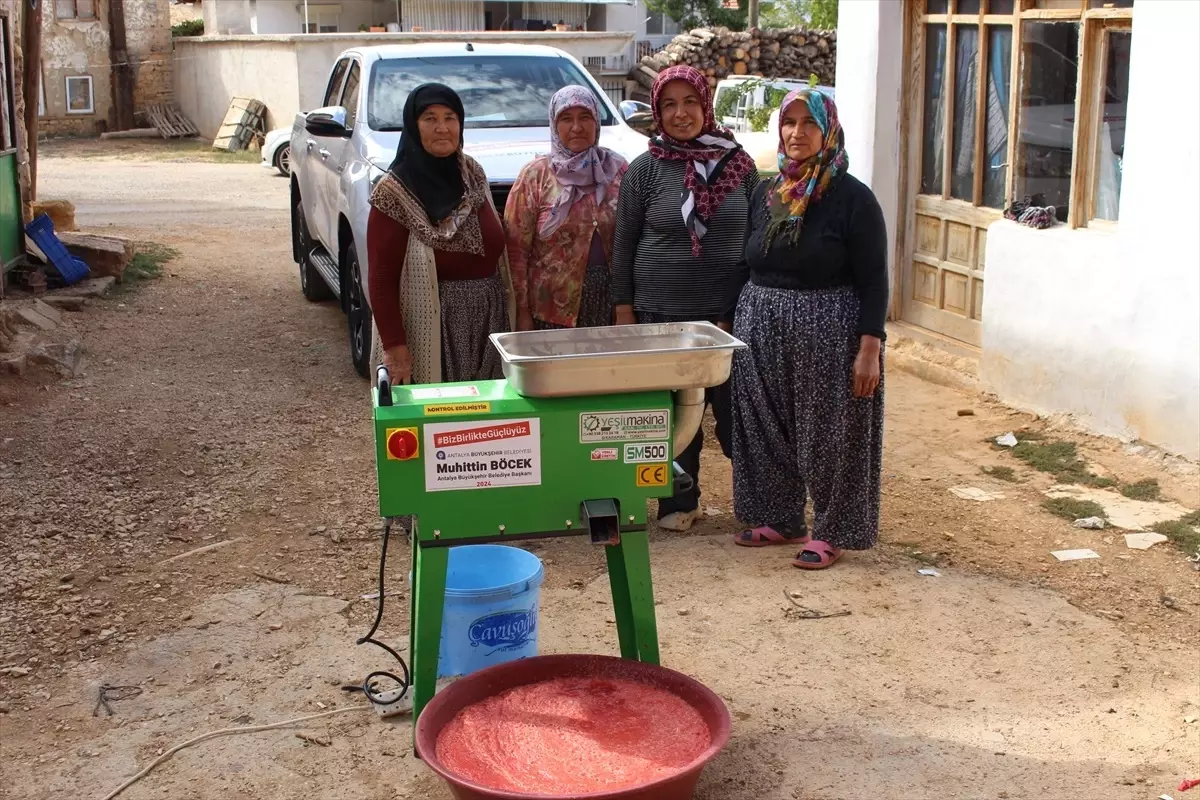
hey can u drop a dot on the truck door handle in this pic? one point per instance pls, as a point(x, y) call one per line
point(310, 145)
point(324, 153)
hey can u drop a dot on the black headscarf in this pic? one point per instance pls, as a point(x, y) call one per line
point(436, 182)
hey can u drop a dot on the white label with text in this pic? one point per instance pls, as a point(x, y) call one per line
point(443, 392)
point(645, 453)
point(483, 455)
point(605, 454)
point(624, 426)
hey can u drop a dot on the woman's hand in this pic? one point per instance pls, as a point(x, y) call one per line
point(524, 321)
point(624, 315)
point(399, 364)
point(866, 367)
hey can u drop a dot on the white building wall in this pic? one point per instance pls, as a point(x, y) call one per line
point(1099, 324)
point(1106, 325)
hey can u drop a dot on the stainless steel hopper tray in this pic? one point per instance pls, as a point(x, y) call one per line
point(617, 359)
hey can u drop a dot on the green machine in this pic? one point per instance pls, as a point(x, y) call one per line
point(580, 434)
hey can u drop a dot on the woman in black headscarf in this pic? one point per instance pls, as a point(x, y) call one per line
point(438, 278)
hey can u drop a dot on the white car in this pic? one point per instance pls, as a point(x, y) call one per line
point(277, 151)
point(338, 151)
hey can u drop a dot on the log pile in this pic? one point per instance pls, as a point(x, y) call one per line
point(793, 53)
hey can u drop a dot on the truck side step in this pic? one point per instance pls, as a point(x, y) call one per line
point(328, 269)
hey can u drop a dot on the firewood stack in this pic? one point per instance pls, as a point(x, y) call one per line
point(793, 53)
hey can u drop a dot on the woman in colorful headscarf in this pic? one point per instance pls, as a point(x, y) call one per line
point(560, 218)
point(681, 232)
point(808, 391)
point(435, 244)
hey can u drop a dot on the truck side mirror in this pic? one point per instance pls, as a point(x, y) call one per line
point(330, 122)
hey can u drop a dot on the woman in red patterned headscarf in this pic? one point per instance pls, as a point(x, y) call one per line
point(680, 238)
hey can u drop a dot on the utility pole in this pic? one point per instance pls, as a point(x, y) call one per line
point(31, 40)
point(751, 14)
point(122, 70)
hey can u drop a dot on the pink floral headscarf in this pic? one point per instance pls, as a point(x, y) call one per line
point(578, 173)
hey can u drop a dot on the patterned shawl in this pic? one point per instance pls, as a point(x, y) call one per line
point(716, 163)
point(458, 232)
point(579, 174)
point(802, 183)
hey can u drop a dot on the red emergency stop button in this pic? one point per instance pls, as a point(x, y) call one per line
point(402, 444)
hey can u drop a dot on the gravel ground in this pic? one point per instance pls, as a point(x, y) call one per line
point(218, 407)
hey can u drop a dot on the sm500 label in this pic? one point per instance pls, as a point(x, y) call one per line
point(645, 453)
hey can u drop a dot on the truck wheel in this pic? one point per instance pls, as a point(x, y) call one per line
point(311, 283)
point(358, 315)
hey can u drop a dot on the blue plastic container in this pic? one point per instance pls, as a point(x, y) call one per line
point(491, 610)
point(71, 269)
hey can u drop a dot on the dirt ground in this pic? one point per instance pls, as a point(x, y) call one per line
point(218, 406)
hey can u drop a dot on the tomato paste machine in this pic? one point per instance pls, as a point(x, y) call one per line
point(579, 436)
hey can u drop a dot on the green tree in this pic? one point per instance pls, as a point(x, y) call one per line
point(701, 13)
point(820, 14)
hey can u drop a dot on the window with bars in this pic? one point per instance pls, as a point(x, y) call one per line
point(1025, 98)
point(75, 9)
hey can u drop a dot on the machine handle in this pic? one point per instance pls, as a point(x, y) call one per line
point(683, 481)
point(383, 382)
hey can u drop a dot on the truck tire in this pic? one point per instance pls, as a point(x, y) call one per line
point(312, 285)
point(358, 315)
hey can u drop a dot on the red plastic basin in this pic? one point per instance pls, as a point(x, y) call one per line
point(486, 683)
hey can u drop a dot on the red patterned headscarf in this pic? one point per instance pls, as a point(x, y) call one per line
point(716, 163)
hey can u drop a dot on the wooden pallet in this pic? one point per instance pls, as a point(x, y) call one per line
point(170, 123)
point(242, 123)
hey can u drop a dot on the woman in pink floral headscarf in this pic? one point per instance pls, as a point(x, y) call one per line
point(560, 219)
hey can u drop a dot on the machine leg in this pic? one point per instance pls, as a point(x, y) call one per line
point(633, 597)
point(428, 600)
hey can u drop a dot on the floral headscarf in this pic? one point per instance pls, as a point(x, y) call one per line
point(802, 183)
point(717, 164)
point(578, 173)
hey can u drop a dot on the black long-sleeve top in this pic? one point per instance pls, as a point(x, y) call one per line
point(843, 242)
point(653, 268)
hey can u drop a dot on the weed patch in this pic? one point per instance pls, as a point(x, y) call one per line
point(1142, 490)
point(146, 265)
point(1072, 509)
point(1060, 459)
point(1182, 532)
point(1001, 473)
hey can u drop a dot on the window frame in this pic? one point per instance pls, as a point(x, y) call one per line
point(91, 84)
point(75, 15)
point(1094, 26)
point(355, 68)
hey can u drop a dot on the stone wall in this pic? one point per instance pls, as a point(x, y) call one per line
point(148, 37)
point(718, 52)
point(82, 47)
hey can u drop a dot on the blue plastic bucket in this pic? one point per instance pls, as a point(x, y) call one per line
point(491, 610)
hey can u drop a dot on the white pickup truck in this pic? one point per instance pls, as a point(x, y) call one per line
point(338, 151)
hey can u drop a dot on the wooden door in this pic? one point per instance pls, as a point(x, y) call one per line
point(957, 110)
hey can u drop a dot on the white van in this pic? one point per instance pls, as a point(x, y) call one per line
point(736, 118)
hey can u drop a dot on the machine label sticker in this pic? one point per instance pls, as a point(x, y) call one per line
point(605, 454)
point(443, 392)
point(624, 426)
point(653, 474)
point(505, 631)
point(457, 408)
point(645, 453)
point(483, 454)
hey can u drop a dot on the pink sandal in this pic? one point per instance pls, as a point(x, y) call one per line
point(828, 555)
point(765, 536)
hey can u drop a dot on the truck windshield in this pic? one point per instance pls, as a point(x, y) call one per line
point(497, 91)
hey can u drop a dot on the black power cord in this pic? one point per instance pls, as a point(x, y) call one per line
point(367, 688)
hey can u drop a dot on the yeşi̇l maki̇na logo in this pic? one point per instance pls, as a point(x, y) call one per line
point(505, 631)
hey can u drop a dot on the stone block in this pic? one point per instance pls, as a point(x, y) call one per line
point(92, 287)
point(104, 255)
point(32, 318)
point(66, 303)
point(61, 213)
point(49, 312)
point(13, 363)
